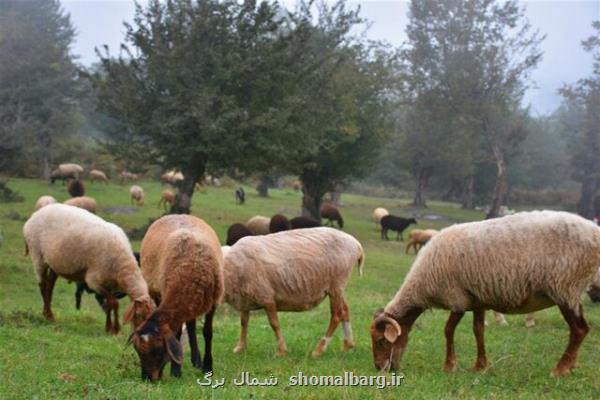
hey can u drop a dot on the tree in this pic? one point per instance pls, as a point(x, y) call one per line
point(468, 61)
point(38, 79)
point(198, 83)
point(581, 117)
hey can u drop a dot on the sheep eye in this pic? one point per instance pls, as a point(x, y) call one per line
point(381, 342)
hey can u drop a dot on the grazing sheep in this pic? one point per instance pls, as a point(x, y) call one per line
point(501, 319)
point(292, 271)
point(279, 223)
point(76, 188)
point(235, 232)
point(520, 263)
point(417, 238)
point(331, 213)
point(240, 195)
point(594, 290)
point(166, 196)
point(183, 265)
point(65, 172)
point(296, 185)
point(304, 222)
point(258, 225)
point(82, 287)
point(97, 175)
point(44, 201)
point(128, 176)
point(379, 213)
point(394, 223)
point(173, 177)
point(79, 246)
point(84, 202)
point(137, 195)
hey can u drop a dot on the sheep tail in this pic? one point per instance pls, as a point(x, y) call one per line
point(361, 262)
point(26, 250)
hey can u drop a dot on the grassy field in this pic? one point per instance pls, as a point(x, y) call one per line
point(74, 358)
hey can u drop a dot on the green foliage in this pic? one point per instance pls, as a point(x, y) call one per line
point(7, 195)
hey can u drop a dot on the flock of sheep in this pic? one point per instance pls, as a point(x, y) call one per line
point(515, 264)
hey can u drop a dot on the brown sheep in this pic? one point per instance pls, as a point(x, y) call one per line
point(279, 223)
point(417, 238)
point(182, 262)
point(235, 232)
point(166, 196)
point(85, 202)
point(76, 188)
point(331, 213)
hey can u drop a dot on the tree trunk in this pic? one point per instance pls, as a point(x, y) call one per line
point(45, 142)
point(500, 186)
point(263, 186)
point(585, 206)
point(335, 197)
point(467, 195)
point(422, 179)
point(191, 174)
point(312, 198)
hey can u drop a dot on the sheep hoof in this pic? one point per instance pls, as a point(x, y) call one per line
point(450, 367)
point(281, 352)
point(239, 349)
point(561, 371)
point(348, 345)
point(480, 365)
point(49, 317)
point(529, 324)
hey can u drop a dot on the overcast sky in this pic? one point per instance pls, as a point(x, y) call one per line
point(566, 23)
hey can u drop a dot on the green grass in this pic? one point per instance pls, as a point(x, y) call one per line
point(74, 358)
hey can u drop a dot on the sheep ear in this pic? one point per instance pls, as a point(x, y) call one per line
point(174, 349)
point(391, 333)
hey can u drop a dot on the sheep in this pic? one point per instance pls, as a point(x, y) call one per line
point(240, 195)
point(183, 264)
point(172, 177)
point(395, 223)
point(80, 246)
point(128, 176)
point(279, 223)
point(331, 213)
point(44, 201)
point(292, 271)
point(65, 172)
point(97, 175)
point(304, 222)
point(76, 188)
point(379, 213)
point(235, 232)
point(166, 196)
point(501, 319)
point(84, 202)
point(417, 238)
point(82, 287)
point(137, 195)
point(258, 225)
point(520, 263)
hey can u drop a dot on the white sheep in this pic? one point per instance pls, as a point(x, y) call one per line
point(79, 246)
point(137, 195)
point(379, 213)
point(44, 201)
point(97, 175)
point(292, 271)
point(66, 171)
point(259, 225)
point(516, 264)
point(84, 202)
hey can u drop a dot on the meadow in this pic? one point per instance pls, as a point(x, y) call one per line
point(75, 358)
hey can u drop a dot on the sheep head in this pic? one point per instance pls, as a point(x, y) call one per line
point(156, 345)
point(139, 310)
point(385, 336)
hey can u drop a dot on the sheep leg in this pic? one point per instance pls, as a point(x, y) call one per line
point(578, 330)
point(175, 367)
point(78, 295)
point(478, 329)
point(348, 340)
point(207, 333)
point(453, 320)
point(529, 320)
point(191, 331)
point(241, 346)
point(271, 310)
point(500, 318)
point(336, 305)
point(112, 305)
point(47, 287)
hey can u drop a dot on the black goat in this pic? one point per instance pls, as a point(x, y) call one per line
point(304, 222)
point(240, 195)
point(394, 223)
